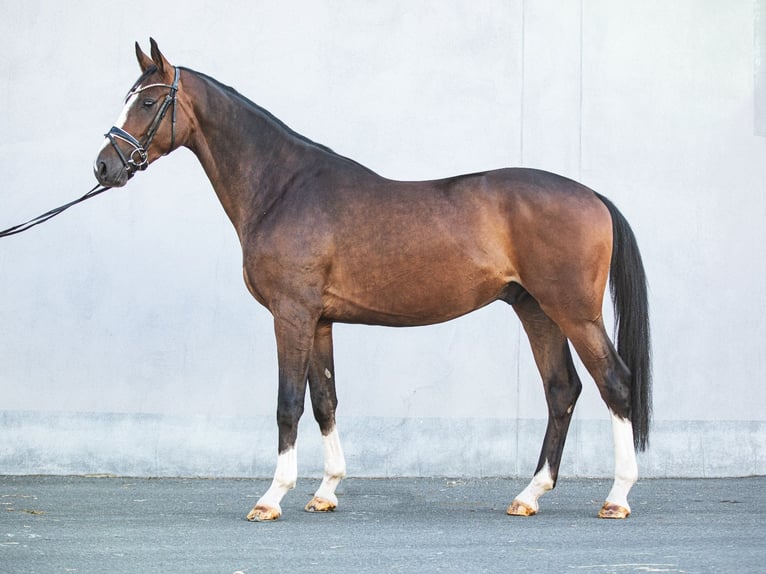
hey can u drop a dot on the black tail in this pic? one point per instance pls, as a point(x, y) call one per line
point(627, 283)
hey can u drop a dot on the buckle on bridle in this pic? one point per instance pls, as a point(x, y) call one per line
point(138, 158)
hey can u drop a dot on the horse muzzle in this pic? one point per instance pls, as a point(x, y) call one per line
point(109, 171)
point(115, 166)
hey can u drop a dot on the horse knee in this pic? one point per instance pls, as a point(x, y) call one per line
point(563, 389)
point(562, 399)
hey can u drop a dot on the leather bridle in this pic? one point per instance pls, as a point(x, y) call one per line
point(138, 159)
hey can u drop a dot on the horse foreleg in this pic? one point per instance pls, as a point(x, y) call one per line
point(324, 402)
point(294, 348)
point(562, 388)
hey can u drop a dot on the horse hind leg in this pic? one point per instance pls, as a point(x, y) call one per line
point(562, 388)
point(324, 401)
point(613, 380)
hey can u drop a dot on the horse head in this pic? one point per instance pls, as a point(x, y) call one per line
point(149, 125)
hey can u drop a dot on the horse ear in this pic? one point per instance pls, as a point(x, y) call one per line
point(162, 64)
point(144, 61)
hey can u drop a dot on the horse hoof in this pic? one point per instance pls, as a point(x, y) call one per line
point(611, 510)
point(320, 505)
point(518, 508)
point(261, 513)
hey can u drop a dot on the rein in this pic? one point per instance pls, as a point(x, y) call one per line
point(137, 160)
point(52, 213)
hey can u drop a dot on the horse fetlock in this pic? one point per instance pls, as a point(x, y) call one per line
point(334, 461)
point(335, 471)
point(627, 477)
point(286, 473)
point(325, 494)
point(525, 504)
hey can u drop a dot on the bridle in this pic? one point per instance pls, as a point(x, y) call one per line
point(138, 159)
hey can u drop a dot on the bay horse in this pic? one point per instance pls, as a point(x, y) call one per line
point(325, 240)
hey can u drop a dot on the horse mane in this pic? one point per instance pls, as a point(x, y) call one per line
point(247, 102)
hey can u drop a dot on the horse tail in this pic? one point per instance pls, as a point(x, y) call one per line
point(628, 286)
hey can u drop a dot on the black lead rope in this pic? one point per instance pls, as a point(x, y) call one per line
point(98, 189)
point(131, 165)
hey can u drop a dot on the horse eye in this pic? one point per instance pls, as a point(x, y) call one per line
point(148, 102)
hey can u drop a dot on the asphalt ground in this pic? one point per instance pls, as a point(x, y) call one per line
point(127, 525)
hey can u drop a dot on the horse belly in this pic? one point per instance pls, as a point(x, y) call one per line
point(418, 253)
point(415, 291)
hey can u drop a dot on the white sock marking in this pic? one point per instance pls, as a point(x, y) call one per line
point(334, 467)
point(625, 467)
point(285, 477)
point(541, 483)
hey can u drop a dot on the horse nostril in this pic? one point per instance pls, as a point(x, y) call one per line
point(100, 169)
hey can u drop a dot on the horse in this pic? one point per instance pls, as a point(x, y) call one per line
point(325, 239)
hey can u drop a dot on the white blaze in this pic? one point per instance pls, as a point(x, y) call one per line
point(123, 117)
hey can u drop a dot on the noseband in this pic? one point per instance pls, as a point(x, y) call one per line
point(138, 159)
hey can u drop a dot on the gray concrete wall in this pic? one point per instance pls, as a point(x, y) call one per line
point(128, 341)
point(759, 66)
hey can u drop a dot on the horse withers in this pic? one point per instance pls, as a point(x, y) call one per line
point(325, 240)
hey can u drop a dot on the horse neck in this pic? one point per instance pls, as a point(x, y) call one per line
point(245, 152)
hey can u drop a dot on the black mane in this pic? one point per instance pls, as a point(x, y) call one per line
point(266, 113)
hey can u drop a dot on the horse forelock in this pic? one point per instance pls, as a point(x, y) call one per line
point(141, 79)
